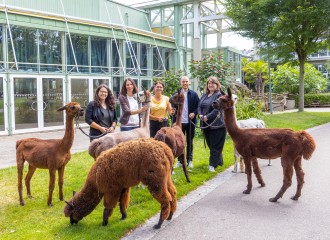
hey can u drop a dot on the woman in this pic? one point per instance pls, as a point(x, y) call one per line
point(215, 134)
point(160, 107)
point(130, 108)
point(101, 113)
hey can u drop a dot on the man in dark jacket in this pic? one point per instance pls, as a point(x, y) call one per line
point(188, 116)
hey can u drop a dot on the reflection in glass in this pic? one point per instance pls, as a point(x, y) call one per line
point(25, 102)
point(116, 86)
point(80, 46)
point(99, 55)
point(50, 51)
point(2, 110)
point(25, 43)
point(144, 59)
point(131, 55)
point(52, 100)
point(79, 91)
point(146, 83)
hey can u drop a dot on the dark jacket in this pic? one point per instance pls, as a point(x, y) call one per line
point(211, 112)
point(193, 100)
point(124, 104)
point(94, 114)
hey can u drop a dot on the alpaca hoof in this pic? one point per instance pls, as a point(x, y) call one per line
point(294, 198)
point(30, 196)
point(105, 223)
point(22, 203)
point(273, 199)
point(246, 191)
point(50, 204)
point(262, 184)
point(234, 171)
point(123, 217)
point(157, 226)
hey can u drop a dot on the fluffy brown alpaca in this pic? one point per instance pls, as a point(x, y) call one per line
point(173, 136)
point(51, 154)
point(251, 144)
point(116, 170)
point(108, 141)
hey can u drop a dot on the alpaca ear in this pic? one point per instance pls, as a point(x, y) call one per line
point(61, 108)
point(73, 193)
point(222, 92)
point(229, 92)
point(152, 88)
point(71, 206)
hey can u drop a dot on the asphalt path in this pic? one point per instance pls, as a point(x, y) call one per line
point(219, 209)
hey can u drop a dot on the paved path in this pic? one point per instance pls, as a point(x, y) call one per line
point(219, 210)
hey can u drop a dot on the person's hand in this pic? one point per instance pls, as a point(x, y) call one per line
point(191, 115)
point(204, 118)
point(173, 111)
point(110, 129)
point(103, 129)
point(143, 109)
point(160, 119)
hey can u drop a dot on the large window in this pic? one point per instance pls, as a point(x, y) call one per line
point(99, 55)
point(79, 91)
point(1, 52)
point(50, 51)
point(2, 110)
point(131, 56)
point(25, 45)
point(144, 59)
point(80, 46)
point(115, 56)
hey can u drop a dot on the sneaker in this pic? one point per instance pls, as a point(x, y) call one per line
point(178, 164)
point(190, 164)
point(211, 169)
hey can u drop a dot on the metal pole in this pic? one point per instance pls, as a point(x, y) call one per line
point(270, 84)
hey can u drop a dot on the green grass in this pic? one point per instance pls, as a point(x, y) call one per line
point(38, 221)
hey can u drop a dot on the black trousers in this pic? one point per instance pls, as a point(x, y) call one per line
point(155, 126)
point(188, 130)
point(215, 139)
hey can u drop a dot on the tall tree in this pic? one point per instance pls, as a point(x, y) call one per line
point(293, 29)
point(256, 72)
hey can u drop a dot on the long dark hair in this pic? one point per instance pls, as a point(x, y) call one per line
point(123, 90)
point(109, 101)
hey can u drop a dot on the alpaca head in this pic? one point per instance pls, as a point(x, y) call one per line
point(177, 98)
point(72, 109)
point(224, 102)
point(145, 95)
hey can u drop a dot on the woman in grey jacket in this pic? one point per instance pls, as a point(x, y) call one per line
point(215, 135)
point(130, 108)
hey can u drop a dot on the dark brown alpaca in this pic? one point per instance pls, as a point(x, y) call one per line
point(173, 136)
point(116, 170)
point(251, 144)
point(51, 154)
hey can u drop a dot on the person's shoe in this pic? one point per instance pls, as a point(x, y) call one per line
point(190, 164)
point(178, 164)
point(211, 169)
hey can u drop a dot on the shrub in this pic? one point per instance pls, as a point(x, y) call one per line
point(248, 108)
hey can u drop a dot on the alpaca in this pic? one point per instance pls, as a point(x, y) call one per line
point(173, 136)
point(121, 167)
point(265, 143)
point(51, 154)
point(108, 141)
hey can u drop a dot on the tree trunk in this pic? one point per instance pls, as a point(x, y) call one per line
point(301, 85)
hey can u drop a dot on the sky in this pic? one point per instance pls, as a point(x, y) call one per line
point(228, 39)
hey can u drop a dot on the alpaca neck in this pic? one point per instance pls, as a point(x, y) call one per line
point(179, 115)
point(67, 140)
point(145, 119)
point(231, 122)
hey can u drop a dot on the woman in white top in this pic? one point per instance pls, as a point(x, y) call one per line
point(130, 118)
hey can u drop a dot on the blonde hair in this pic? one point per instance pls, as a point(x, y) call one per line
point(212, 79)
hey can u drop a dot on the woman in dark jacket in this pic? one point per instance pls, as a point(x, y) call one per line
point(215, 135)
point(101, 113)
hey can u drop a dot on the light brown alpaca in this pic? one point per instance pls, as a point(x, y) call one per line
point(173, 136)
point(108, 141)
point(251, 144)
point(51, 154)
point(116, 170)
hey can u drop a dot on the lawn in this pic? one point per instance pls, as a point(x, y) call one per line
point(38, 221)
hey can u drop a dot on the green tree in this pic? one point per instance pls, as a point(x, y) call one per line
point(286, 79)
point(212, 65)
point(171, 80)
point(293, 29)
point(256, 72)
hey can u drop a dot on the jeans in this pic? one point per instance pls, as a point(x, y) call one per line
point(128, 128)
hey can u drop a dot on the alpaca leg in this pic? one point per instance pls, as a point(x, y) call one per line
point(300, 178)
point(159, 191)
point(248, 172)
point(28, 180)
point(287, 178)
point(109, 202)
point(172, 190)
point(123, 202)
point(257, 172)
point(269, 162)
point(241, 164)
point(20, 167)
point(236, 156)
point(60, 182)
point(52, 178)
point(184, 166)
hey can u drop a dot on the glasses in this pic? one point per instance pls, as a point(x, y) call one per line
point(106, 92)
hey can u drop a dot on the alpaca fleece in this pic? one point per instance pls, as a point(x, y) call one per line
point(269, 143)
point(116, 170)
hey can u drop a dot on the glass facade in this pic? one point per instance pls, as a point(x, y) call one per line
point(50, 51)
point(2, 109)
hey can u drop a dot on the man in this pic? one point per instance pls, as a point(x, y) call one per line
point(188, 116)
